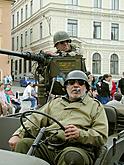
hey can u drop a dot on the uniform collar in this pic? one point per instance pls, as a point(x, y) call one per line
point(84, 99)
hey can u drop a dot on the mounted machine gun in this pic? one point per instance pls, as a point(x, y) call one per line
point(51, 71)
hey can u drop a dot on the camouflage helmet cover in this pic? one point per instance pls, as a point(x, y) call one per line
point(60, 36)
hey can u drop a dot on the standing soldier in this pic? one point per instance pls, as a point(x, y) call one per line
point(62, 42)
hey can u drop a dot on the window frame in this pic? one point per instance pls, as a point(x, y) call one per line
point(115, 31)
point(96, 63)
point(115, 4)
point(73, 2)
point(96, 30)
point(114, 64)
point(26, 38)
point(72, 27)
point(98, 4)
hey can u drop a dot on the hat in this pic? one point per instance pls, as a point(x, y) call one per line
point(7, 89)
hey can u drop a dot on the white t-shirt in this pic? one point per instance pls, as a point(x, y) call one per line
point(27, 92)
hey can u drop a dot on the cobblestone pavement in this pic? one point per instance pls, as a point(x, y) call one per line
point(25, 105)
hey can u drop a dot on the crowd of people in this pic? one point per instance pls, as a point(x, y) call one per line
point(9, 103)
point(105, 89)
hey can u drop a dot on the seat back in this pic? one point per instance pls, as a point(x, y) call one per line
point(8, 125)
point(112, 119)
point(120, 119)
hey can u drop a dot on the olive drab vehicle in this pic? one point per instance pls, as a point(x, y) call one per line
point(50, 73)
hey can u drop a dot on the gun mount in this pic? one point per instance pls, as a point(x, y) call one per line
point(51, 71)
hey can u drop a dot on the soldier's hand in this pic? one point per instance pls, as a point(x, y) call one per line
point(13, 141)
point(51, 53)
point(71, 132)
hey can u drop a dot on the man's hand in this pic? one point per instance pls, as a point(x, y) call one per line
point(13, 141)
point(71, 132)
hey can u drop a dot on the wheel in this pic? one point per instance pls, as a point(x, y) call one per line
point(48, 140)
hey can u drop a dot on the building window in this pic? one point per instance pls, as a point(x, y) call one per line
point(114, 64)
point(97, 30)
point(114, 31)
point(25, 66)
point(29, 66)
point(73, 2)
point(13, 21)
point(22, 15)
point(21, 42)
point(31, 35)
point(16, 67)
point(41, 3)
point(26, 38)
point(72, 27)
point(13, 44)
point(17, 43)
point(41, 31)
point(96, 63)
point(20, 66)
point(115, 4)
point(98, 3)
point(26, 11)
point(17, 17)
point(31, 7)
point(12, 67)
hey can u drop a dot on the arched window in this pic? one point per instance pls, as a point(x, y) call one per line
point(114, 64)
point(96, 63)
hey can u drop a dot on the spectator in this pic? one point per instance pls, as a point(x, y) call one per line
point(27, 96)
point(5, 80)
point(103, 89)
point(6, 106)
point(62, 42)
point(10, 80)
point(116, 102)
point(92, 81)
point(112, 86)
point(9, 90)
point(121, 85)
point(34, 93)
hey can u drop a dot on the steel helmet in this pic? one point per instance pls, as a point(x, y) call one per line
point(77, 75)
point(60, 36)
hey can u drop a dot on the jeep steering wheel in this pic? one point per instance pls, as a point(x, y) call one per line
point(47, 141)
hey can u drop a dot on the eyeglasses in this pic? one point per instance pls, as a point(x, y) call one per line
point(80, 82)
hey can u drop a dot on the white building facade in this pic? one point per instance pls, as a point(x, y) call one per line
point(96, 25)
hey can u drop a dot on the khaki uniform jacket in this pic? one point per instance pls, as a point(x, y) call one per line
point(87, 114)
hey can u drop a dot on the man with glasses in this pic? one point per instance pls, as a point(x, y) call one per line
point(63, 44)
point(83, 118)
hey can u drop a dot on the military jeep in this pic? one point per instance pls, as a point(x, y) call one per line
point(112, 153)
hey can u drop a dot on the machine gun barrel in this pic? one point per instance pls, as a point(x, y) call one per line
point(26, 55)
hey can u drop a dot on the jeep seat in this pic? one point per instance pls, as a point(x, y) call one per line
point(8, 125)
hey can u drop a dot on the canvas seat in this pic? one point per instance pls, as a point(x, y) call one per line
point(8, 125)
point(112, 119)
